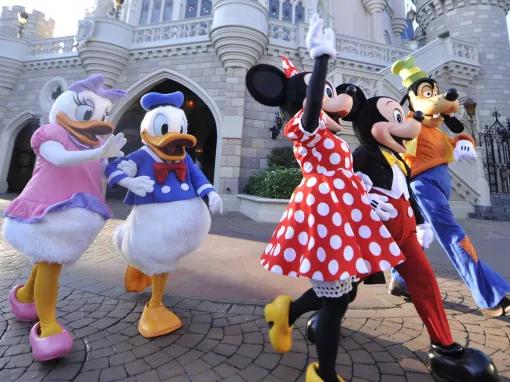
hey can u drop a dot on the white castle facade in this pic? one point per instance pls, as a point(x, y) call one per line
point(204, 49)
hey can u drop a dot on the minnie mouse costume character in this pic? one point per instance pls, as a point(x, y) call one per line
point(381, 129)
point(328, 232)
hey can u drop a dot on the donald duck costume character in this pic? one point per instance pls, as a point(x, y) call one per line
point(169, 218)
point(62, 209)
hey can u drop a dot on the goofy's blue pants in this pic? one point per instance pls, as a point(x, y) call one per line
point(432, 190)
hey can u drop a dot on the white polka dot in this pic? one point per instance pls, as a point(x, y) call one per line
point(311, 243)
point(339, 184)
point(364, 232)
point(324, 188)
point(323, 209)
point(394, 249)
point(348, 253)
point(363, 266)
point(302, 151)
point(334, 158)
point(289, 214)
point(321, 254)
point(329, 144)
point(384, 265)
point(356, 215)
point(277, 269)
point(410, 212)
point(303, 238)
point(337, 219)
point(291, 136)
point(335, 241)
point(299, 197)
point(344, 146)
point(293, 274)
point(375, 249)
point(310, 200)
point(184, 187)
point(383, 231)
point(165, 189)
point(354, 184)
point(311, 181)
point(348, 229)
point(347, 198)
point(283, 216)
point(344, 276)
point(307, 167)
point(364, 199)
point(374, 216)
point(334, 197)
point(318, 276)
point(305, 266)
point(316, 154)
point(289, 254)
point(268, 248)
point(347, 163)
point(299, 216)
point(322, 230)
point(290, 233)
point(277, 250)
point(280, 231)
point(333, 267)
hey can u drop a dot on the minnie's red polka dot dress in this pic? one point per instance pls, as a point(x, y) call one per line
point(329, 232)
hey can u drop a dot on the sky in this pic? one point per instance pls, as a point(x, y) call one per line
point(66, 13)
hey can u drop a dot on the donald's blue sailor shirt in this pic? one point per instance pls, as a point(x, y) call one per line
point(196, 184)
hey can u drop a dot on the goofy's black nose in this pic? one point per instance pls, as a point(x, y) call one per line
point(451, 94)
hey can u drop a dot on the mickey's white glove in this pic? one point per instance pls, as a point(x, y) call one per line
point(215, 203)
point(320, 42)
point(141, 185)
point(464, 150)
point(425, 234)
point(382, 208)
point(111, 147)
point(365, 179)
point(128, 167)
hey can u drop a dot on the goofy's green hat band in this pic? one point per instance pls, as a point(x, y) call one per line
point(408, 71)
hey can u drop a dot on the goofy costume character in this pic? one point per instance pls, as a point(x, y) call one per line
point(431, 183)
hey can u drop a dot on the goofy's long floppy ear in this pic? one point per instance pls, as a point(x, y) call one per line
point(358, 99)
point(267, 84)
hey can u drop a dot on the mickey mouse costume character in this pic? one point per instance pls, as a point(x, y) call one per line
point(169, 218)
point(62, 208)
point(381, 129)
point(328, 232)
point(431, 184)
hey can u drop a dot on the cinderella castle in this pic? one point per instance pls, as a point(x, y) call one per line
point(204, 49)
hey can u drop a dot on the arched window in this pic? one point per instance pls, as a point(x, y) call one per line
point(274, 9)
point(156, 11)
point(144, 14)
point(299, 13)
point(167, 12)
point(287, 11)
point(191, 9)
point(205, 8)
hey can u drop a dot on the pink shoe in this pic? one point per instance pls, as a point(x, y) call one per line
point(22, 311)
point(48, 348)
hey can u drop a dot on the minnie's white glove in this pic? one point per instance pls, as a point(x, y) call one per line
point(320, 42)
point(365, 179)
point(141, 185)
point(464, 150)
point(425, 234)
point(128, 167)
point(215, 203)
point(382, 208)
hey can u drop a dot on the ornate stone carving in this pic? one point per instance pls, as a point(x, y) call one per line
point(368, 85)
point(85, 30)
point(183, 30)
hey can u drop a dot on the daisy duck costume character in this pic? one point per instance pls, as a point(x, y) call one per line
point(329, 232)
point(169, 218)
point(62, 209)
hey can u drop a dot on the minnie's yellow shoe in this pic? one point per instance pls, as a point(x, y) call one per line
point(312, 374)
point(277, 317)
point(135, 280)
point(158, 321)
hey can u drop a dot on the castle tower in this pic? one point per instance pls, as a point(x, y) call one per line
point(484, 23)
point(38, 26)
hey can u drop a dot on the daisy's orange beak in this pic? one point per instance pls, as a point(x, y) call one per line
point(85, 132)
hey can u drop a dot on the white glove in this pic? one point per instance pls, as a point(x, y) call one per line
point(128, 167)
point(141, 185)
point(425, 234)
point(320, 42)
point(215, 203)
point(382, 208)
point(111, 147)
point(365, 179)
point(464, 150)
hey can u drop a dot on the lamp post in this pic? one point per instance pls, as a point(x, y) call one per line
point(22, 21)
point(117, 7)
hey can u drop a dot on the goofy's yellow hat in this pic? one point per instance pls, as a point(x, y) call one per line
point(408, 71)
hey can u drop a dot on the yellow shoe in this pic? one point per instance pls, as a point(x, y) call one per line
point(135, 280)
point(312, 374)
point(158, 321)
point(277, 317)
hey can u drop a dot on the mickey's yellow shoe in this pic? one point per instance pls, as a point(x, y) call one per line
point(312, 374)
point(135, 280)
point(158, 321)
point(277, 317)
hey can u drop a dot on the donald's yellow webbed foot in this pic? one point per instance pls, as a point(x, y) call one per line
point(158, 321)
point(135, 280)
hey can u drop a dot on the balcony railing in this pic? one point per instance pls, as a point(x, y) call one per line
point(52, 48)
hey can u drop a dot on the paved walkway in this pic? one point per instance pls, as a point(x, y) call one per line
point(224, 337)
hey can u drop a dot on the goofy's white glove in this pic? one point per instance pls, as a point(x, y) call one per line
point(425, 234)
point(128, 167)
point(215, 203)
point(382, 208)
point(141, 185)
point(320, 42)
point(464, 150)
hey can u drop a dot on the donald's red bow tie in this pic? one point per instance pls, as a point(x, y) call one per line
point(161, 171)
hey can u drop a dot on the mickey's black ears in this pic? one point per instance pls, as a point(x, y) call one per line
point(267, 84)
point(358, 99)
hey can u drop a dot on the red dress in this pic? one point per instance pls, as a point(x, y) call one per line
point(328, 232)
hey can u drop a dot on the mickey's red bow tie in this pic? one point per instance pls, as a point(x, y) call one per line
point(161, 171)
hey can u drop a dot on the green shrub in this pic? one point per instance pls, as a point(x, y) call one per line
point(282, 157)
point(274, 183)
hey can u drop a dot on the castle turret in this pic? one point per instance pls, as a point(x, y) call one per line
point(37, 27)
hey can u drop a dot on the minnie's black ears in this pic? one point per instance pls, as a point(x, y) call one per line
point(267, 84)
point(358, 99)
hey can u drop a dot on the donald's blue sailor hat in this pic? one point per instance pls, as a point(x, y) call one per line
point(152, 100)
